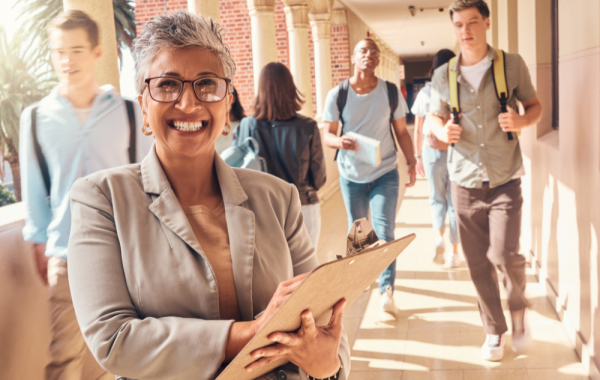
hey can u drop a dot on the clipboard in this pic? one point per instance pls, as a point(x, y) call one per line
point(346, 277)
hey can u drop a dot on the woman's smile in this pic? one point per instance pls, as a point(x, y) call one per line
point(188, 126)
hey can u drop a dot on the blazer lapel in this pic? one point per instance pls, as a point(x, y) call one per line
point(165, 205)
point(241, 228)
point(240, 221)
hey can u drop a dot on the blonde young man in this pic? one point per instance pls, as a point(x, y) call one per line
point(485, 167)
point(81, 128)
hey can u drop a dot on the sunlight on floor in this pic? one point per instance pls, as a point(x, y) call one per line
point(437, 332)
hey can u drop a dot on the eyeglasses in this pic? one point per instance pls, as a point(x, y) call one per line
point(374, 53)
point(168, 90)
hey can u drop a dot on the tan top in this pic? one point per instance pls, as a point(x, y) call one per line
point(210, 228)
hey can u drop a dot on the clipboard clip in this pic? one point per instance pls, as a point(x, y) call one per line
point(361, 237)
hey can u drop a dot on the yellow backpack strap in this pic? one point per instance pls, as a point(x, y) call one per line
point(453, 87)
point(499, 68)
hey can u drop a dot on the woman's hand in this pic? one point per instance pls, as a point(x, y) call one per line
point(420, 169)
point(312, 348)
point(283, 292)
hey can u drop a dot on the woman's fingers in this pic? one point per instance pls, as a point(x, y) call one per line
point(288, 339)
point(270, 351)
point(261, 362)
point(337, 315)
point(308, 322)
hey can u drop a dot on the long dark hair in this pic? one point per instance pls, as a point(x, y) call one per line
point(277, 97)
point(237, 111)
point(441, 57)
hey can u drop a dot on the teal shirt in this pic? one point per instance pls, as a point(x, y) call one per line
point(482, 142)
point(72, 151)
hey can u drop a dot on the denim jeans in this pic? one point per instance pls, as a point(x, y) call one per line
point(381, 196)
point(436, 170)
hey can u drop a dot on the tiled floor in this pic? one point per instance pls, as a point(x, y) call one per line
point(437, 333)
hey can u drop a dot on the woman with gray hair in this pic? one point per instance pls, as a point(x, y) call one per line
point(170, 260)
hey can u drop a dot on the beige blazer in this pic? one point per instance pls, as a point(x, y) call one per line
point(144, 293)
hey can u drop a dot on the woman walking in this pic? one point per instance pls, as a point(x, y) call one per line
point(431, 156)
point(289, 142)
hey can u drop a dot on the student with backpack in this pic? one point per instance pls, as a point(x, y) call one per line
point(371, 107)
point(289, 143)
point(431, 156)
point(480, 89)
point(79, 129)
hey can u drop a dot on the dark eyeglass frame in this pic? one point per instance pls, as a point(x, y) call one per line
point(147, 81)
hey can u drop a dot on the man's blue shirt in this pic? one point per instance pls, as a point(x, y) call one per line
point(72, 151)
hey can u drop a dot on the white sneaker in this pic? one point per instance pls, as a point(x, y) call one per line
point(453, 261)
point(440, 248)
point(387, 300)
point(493, 348)
point(521, 333)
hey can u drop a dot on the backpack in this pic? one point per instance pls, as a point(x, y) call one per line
point(342, 98)
point(499, 71)
point(40, 155)
point(245, 155)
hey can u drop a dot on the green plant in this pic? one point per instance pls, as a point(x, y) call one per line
point(38, 14)
point(6, 197)
point(24, 79)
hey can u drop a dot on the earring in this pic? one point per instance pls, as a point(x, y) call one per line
point(227, 129)
point(146, 130)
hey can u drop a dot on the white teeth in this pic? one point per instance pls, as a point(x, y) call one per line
point(187, 127)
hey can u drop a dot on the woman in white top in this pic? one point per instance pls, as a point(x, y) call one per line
point(431, 156)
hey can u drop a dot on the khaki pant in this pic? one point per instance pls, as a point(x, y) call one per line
point(489, 226)
point(70, 357)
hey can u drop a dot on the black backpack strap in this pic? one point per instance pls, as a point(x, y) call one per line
point(131, 116)
point(393, 98)
point(341, 104)
point(38, 150)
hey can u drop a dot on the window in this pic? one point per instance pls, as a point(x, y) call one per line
point(554, 21)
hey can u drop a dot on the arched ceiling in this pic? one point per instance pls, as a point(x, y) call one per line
point(411, 37)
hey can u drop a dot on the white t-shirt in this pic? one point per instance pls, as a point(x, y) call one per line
point(474, 75)
point(82, 114)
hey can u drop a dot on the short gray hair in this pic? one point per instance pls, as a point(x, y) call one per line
point(174, 31)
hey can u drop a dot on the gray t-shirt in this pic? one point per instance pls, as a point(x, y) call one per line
point(368, 115)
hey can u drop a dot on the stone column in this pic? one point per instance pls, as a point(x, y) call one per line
point(296, 17)
point(321, 34)
point(206, 8)
point(262, 22)
point(101, 11)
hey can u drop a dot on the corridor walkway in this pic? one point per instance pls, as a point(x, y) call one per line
point(437, 333)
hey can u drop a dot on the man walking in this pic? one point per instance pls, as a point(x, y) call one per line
point(485, 166)
point(368, 111)
point(78, 129)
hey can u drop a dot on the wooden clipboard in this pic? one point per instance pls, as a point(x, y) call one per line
point(320, 291)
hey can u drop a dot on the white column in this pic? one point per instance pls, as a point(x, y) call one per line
point(101, 11)
point(321, 34)
point(262, 22)
point(206, 8)
point(297, 25)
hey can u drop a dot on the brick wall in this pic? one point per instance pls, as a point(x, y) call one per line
point(147, 9)
point(238, 35)
point(236, 20)
point(340, 54)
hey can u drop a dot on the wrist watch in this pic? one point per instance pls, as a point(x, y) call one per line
point(332, 377)
point(417, 157)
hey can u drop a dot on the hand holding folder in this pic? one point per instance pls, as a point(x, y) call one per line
point(346, 278)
